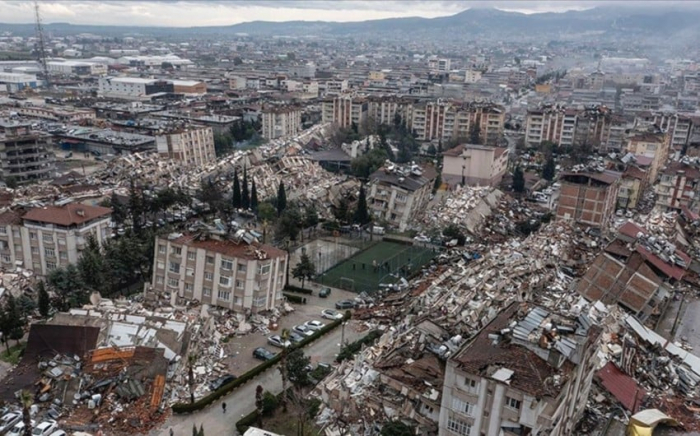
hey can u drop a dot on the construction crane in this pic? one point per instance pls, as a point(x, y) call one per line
point(41, 46)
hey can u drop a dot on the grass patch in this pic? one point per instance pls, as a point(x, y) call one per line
point(358, 274)
point(14, 355)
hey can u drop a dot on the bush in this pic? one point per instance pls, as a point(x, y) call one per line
point(297, 289)
point(353, 348)
point(294, 298)
point(270, 403)
point(249, 420)
point(246, 377)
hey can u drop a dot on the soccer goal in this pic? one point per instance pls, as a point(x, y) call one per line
point(347, 283)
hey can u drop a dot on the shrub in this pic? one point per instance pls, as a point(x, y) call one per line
point(297, 289)
point(270, 403)
point(353, 348)
point(294, 298)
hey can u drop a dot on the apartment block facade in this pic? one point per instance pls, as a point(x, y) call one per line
point(469, 164)
point(528, 372)
point(678, 187)
point(48, 237)
point(280, 122)
point(653, 145)
point(232, 274)
point(25, 155)
point(344, 111)
point(193, 146)
point(588, 198)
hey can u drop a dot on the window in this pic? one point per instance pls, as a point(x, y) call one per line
point(50, 265)
point(210, 260)
point(3, 230)
point(177, 250)
point(61, 241)
point(173, 282)
point(35, 251)
point(462, 406)
point(208, 276)
point(49, 252)
point(63, 255)
point(458, 426)
point(47, 237)
point(6, 258)
point(174, 267)
point(160, 264)
point(18, 248)
point(512, 403)
point(224, 295)
point(161, 249)
point(190, 272)
point(225, 281)
point(260, 301)
point(471, 385)
point(206, 292)
point(242, 267)
point(32, 235)
point(189, 287)
point(191, 255)
point(237, 300)
point(15, 233)
point(240, 284)
point(264, 269)
point(159, 280)
point(226, 264)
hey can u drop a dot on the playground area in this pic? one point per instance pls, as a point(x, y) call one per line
point(381, 262)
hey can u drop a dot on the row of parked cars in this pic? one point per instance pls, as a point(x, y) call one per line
point(12, 424)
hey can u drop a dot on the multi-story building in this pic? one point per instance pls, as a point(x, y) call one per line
point(193, 146)
point(397, 195)
point(47, 237)
point(528, 372)
point(189, 87)
point(344, 111)
point(25, 155)
point(588, 198)
point(469, 164)
point(444, 120)
point(76, 68)
point(632, 184)
point(63, 115)
point(233, 271)
point(132, 88)
point(280, 122)
point(15, 82)
point(653, 145)
point(678, 187)
point(547, 124)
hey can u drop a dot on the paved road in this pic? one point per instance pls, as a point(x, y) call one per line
point(242, 401)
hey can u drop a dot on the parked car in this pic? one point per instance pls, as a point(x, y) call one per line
point(296, 337)
point(59, 433)
point(44, 428)
point(314, 325)
point(344, 304)
point(9, 420)
point(220, 381)
point(422, 238)
point(324, 293)
point(303, 329)
point(277, 341)
point(18, 429)
point(263, 353)
point(331, 314)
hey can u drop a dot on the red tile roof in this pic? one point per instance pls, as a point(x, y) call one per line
point(240, 250)
point(68, 215)
point(10, 217)
point(631, 229)
point(623, 387)
point(667, 269)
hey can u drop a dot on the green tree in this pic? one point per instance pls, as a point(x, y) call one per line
point(119, 212)
point(549, 168)
point(222, 144)
point(342, 211)
point(136, 207)
point(518, 180)
point(259, 404)
point(297, 364)
point(289, 224)
point(236, 199)
point(281, 199)
point(361, 215)
point(311, 217)
point(91, 265)
point(210, 194)
point(68, 287)
point(475, 133)
point(304, 270)
point(267, 212)
point(363, 166)
point(11, 322)
point(270, 403)
point(44, 302)
point(253, 196)
point(397, 428)
point(26, 400)
point(245, 195)
point(284, 334)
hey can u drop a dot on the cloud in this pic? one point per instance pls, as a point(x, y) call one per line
point(185, 13)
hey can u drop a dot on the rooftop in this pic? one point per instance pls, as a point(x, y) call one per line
point(411, 180)
point(239, 250)
point(68, 215)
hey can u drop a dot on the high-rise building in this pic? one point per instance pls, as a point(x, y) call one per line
point(193, 146)
point(25, 154)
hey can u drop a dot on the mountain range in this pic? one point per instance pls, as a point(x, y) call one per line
point(656, 24)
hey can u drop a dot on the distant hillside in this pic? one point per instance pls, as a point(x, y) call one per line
point(659, 25)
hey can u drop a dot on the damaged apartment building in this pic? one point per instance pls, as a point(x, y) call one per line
point(25, 154)
point(220, 268)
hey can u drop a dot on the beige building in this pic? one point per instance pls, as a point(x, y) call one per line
point(650, 145)
point(46, 237)
point(632, 184)
point(235, 273)
point(678, 187)
point(26, 155)
point(528, 372)
point(193, 146)
point(344, 111)
point(397, 195)
point(280, 122)
point(469, 164)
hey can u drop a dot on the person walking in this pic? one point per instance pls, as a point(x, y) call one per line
point(172, 433)
point(223, 406)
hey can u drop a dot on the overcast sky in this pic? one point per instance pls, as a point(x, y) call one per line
point(222, 12)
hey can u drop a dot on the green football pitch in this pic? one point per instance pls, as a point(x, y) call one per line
point(358, 273)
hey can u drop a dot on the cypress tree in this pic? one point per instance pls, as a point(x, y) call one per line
point(236, 200)
point(361, 213)
point(281, 199)
point(253, 196)
point(245, 196)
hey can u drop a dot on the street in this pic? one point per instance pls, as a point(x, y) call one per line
point(242, 401)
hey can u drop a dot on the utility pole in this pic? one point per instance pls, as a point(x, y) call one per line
point(41, 46)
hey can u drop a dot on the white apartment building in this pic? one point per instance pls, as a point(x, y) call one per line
point(193, 146)
point(469, 164)
point(472, 76)
point(131, 88)
point(528, 372)
point(47, 237)
point(76, 68)
point(344, 111)
point(280, 122)
point(237, 82)
point(229, 273)
point(335, 87)
point(72, 116)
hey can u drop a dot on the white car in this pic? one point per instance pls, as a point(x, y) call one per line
point(18, 429)
point(303, 329)
point(277, 341)
point(421, 238)
point(315, 325)
point(45, 428)
point(331, 314)
point(59, 433)
point(9, 420)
